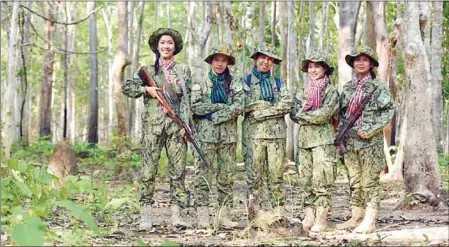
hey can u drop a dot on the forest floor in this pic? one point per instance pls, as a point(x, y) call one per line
point(413, 227)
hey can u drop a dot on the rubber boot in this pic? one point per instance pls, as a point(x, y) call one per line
point(203, 217)
point(176, 219)
point(145, 218)
point(225, 221)
point(354, 221)
point(368, 224)
point(320, 220)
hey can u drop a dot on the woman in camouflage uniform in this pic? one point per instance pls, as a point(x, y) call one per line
point(316, 152)
point(217, 100)
point(267, 101)
point(365, 157)
point(158, 129)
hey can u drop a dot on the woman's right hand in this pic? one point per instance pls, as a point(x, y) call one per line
point(153, 91)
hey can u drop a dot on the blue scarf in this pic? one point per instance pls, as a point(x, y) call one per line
point(218, 94)
point(266, 88)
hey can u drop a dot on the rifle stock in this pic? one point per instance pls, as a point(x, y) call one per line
point(339, 141)
point(166, 102)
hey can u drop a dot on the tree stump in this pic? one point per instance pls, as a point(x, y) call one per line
point(63, 161)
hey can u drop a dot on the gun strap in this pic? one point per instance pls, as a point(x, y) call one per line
point(169, 88)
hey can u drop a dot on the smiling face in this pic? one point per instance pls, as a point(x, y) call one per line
point(316, 70)
point(362, 65)
point(219, 63)
point(166, 46)
point(264, 63)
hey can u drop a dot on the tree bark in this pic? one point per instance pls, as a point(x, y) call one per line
point(421, 170)
point(200, 38)
point(25, 109)
point(273, 22)
point(121, 60)
point(310, 46)
point(47, 81)
point(291, 65)
point(261, 22)
point(110, 91)
point(93, 86)
point(348, 13)
point(437, 78)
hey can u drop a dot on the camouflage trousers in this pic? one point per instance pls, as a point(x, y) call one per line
point(318, 169)
point(176, 148)
point(226, 158)
point(265, 160)
point(363, 167)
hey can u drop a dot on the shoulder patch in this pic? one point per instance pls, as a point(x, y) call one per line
point(384, 98)
point(246, 87)
point(196, 87)
point(237, 86)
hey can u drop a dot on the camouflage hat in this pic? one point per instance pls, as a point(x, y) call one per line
point(154, 38)
point(362, 49)
point(267, 49)
point(316, 57)
point(223, 50)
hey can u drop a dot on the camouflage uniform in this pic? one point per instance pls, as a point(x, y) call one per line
point(159, 131)
point(217, 137)
point(365, 158)
point(263, 138)
point(316, 153)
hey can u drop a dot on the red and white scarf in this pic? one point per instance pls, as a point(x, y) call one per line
point(358, 96)
point(166, 68)
point(314, 92)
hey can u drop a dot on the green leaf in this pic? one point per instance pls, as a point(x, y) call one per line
point(81, 214)
point(27, 235)
point(5, 181)
point(140, 242)
point(23, 188)
point(170, 244)
point(13, 164)
point(22, 167)
point(115, 203)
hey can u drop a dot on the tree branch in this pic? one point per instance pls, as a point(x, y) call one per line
point(62, 23)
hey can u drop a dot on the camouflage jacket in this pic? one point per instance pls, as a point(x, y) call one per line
point(315, 126)
point(268, 121)
point(222, 126)
point(376, 114)
point(154, 119)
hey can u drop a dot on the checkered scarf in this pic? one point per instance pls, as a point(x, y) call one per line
point(358, 96)
point(266, 88)
point(166, 68)
point(315, 95)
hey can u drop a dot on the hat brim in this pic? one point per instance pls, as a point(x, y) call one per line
point(276, 59)
point(305, 65)
point(230, 58)
point(177, 38)
point(351, 57)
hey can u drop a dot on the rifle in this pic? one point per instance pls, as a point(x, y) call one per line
point(340, 141)
point(171, 111)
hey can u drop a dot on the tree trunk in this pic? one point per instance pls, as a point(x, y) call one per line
point(261, 22)
point(47, 81)
point(200, 38)
point(437, 78)
point(291, 65)
point(93, 86)
point(424, 22)
point(324, 14)
point(273, 23)
point(71, 96)
point(25, 109)
point(421, 170)
point(128, 71)
point(310, 46)
point(348, 13)
point(229, 24)
point(12, 82)
point(110, 90)
point(121, 60)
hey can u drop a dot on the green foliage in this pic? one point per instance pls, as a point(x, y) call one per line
point(170, 244)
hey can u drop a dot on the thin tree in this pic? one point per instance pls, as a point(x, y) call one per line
point(92, 137)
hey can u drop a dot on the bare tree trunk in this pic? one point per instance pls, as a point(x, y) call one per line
point(421, 170)
point(291, 65)
point(273, 23)
point(25, 108)
point(261, 22)
point(424, 22)
point(121, 60)
point(12, 82)
point(168, 15)
point(310, 46)
point(128, 71)
point(93, 88)
point(47, 82)
point(324, 14)
point(110, 90)
point(348, 13)
point(190, 20)
point(436, 88)
point(229, 22)
point(200, 38)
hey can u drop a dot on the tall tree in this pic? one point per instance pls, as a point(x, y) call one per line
point(12, 82)
point(47, 80)
point(92, 137)
point(348, 12)
point(25, 109)
point(110, 91)
point(121, 60)
point(437, 78)
point(261, 22)
point(421, 170)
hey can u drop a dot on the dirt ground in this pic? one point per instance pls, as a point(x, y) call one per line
point(419, 227)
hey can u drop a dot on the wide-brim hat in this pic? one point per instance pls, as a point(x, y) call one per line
point(223, 50)
point(362, 50)
point(316, 57)
point(268, 50)
point(154, 38)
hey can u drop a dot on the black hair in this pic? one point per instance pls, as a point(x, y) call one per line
point(156, 62)
point(373, 75)
point(227, 80)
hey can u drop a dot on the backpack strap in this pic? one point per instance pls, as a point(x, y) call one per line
point(278, 82)
point(248, 80)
